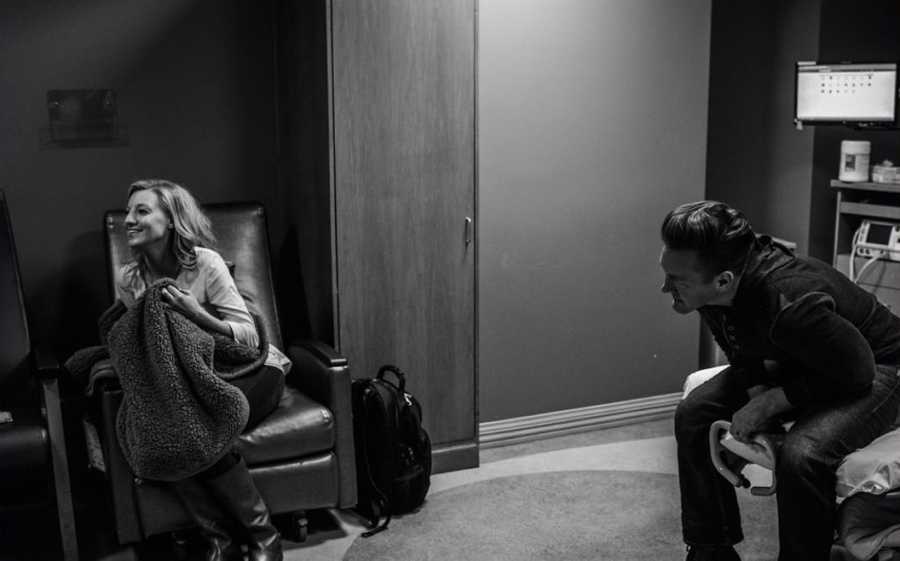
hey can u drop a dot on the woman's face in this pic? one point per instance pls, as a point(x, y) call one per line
point(146, 222)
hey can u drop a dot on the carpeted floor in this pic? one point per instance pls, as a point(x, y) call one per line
point(573, 515)
point(605, 495)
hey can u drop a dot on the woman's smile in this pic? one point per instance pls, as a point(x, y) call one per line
point(146, 222)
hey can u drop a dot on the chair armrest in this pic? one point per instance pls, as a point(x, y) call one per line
point(46, 364)
point(320, 373)
point(48, 369)
point(108, 395)
point(323, 375)
point(322, 352)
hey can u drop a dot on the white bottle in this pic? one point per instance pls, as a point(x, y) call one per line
point(854, 160)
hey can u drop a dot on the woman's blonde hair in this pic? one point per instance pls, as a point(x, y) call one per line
point(191, 227)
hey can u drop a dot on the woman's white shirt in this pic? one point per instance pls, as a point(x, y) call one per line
point(212, 285)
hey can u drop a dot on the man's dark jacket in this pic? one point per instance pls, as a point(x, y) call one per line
point(825, 333)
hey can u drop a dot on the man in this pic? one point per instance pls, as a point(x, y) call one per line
point(803, 343)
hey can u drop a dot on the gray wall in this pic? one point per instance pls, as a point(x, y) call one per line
point(592, 125)
point(757, 161)
point(194, 80)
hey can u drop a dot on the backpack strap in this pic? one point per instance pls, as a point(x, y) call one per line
point(382, 500)
point(396, 372)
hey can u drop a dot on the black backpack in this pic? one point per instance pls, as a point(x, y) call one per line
point(393, 451)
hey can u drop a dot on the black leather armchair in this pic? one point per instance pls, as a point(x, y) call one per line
point(34, 471)
point(301, 455)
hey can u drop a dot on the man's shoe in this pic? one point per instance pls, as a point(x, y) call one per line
point(712, 553)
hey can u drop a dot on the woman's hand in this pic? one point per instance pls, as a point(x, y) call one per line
point(187, 303)
point(183, 301)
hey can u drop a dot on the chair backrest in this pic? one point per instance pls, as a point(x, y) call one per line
point(243, 241)
point(15, 344)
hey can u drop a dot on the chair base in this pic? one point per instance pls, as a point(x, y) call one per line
point(160, 512)
point(294, 526)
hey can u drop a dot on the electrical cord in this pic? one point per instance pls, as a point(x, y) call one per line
point(876, 255)
point(865, 266)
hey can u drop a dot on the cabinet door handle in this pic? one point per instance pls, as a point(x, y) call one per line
point(468, 231)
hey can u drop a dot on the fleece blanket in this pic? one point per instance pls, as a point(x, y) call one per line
point(179, 415)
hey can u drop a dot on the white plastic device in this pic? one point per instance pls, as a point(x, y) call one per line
point(878, 239)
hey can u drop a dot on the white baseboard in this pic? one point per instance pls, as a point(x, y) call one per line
point(568, 421)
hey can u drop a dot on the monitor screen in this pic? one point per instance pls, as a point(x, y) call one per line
point(846, 92)
point(879, 233)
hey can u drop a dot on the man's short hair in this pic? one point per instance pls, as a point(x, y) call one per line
point(721, 235)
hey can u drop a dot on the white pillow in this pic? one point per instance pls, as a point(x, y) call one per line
point(874, 469)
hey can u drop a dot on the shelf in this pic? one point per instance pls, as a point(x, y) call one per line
point(867, 186)
point(872, 210)
point(867, 200)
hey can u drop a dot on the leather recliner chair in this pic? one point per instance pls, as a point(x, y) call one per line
point(34, 470)
point(300, 456)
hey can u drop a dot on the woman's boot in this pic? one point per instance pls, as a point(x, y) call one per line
point(205, 512)
point(235, 491)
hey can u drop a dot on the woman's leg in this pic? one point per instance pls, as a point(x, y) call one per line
point(204, 510)
point(226, 491)
point(235, 491)
point(263, 391)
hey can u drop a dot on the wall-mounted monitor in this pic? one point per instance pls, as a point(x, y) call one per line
point(861, 94)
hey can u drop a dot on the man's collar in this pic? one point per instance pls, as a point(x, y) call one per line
point(764, 258)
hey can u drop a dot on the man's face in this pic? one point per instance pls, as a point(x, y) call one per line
point(686, 281)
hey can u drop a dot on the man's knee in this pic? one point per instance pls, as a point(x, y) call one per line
point(700, 405)
point(698, 378)
point(692, 416)
point(800, 455)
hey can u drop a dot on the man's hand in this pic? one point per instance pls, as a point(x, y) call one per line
point(756, 390)
point(762, 408)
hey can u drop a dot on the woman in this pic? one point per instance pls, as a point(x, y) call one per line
point(170, 237)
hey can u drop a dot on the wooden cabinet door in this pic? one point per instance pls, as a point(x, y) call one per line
point(403, 96)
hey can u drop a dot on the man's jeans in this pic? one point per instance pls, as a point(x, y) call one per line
point(806, 464)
